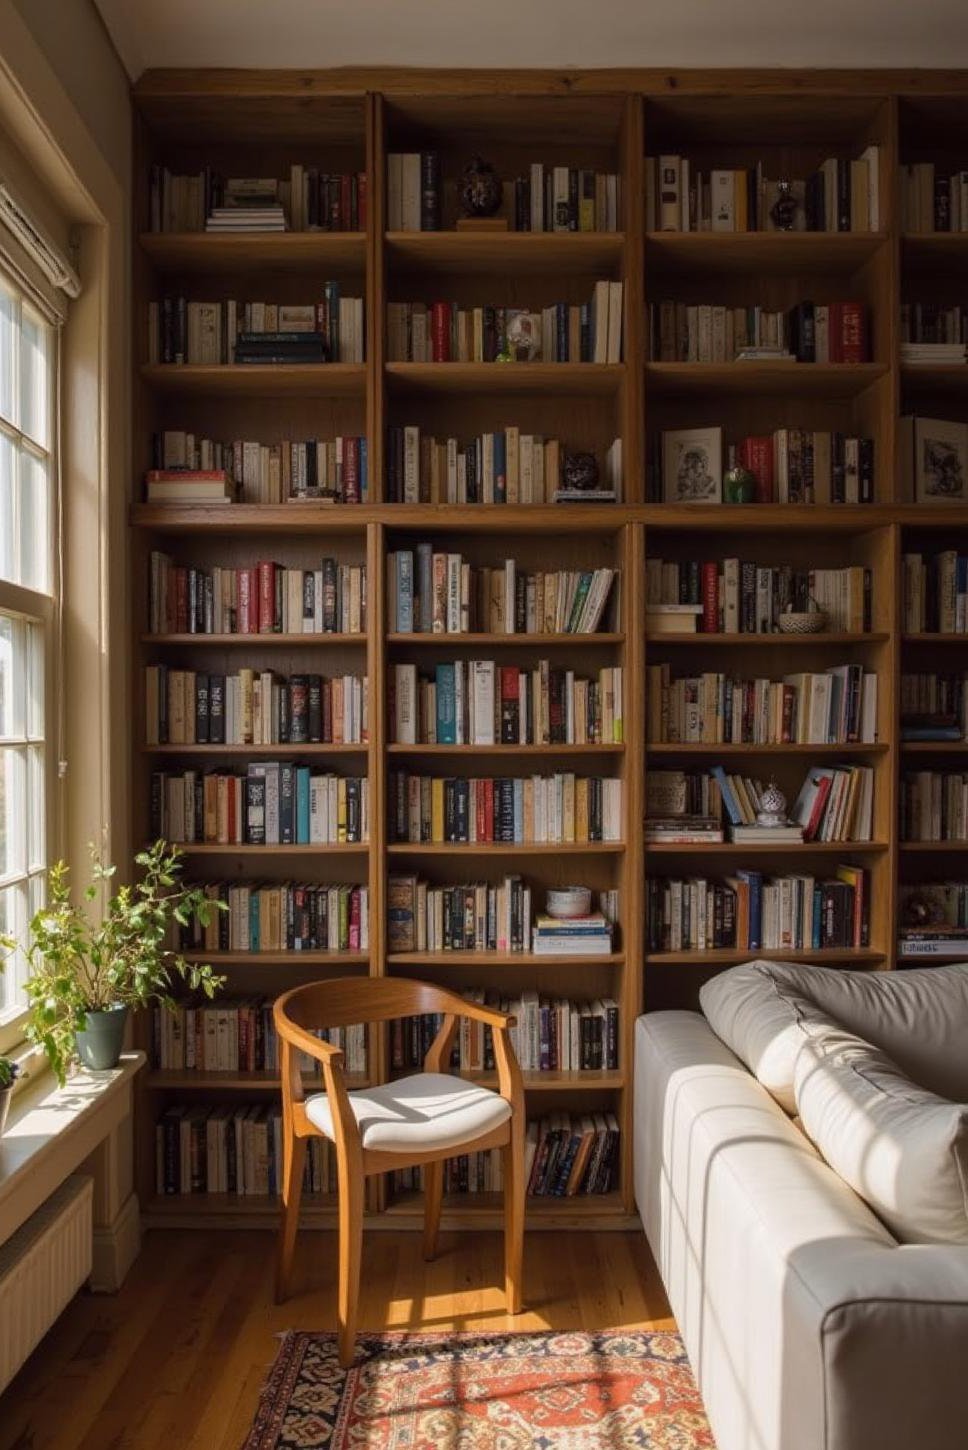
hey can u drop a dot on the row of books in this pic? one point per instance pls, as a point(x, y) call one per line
point(836, 706)
point(933, 198)
point(835, 803)
point(933, 805)
point(275, 803)
point(564, 1155)
point(752, 912)
point(237, 1035)
point(260, 598)
point(934, 322)
point(934, 919)
point(562, 332)
point(330, 469)
point(545, 198)
point(935, 593)
point(281, 916)
point(211, 333)
point(237, 1150)
point(481, 702)
point(490, 916)
point(842, 195)
point(834, 332)
point(307, 200)
point(790, 465)
point(572, 936)
point(934, 705)
point(551, 1034)
point(437, 593)
point(186, 707)
point(562, 808)
point(506, 466)
point(740, 596)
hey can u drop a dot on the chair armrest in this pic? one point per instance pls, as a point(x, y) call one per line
point(294, 1038)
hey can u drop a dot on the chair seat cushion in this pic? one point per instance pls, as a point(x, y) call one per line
point(428, 1112)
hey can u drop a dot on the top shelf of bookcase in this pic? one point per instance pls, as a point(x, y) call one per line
point(776, 252)
point(504, 253)
point(318, 252)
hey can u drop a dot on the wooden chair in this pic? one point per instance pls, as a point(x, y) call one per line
point(422, 1119)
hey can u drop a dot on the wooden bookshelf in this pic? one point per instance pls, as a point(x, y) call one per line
point(257, 123)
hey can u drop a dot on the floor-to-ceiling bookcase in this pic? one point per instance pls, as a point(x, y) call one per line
point(256, 124)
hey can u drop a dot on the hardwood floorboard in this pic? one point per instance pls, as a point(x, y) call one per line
point(177, 1359)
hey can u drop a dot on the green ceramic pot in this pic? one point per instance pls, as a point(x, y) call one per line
point(99, 1044)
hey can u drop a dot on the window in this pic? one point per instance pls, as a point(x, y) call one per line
point(27, 622)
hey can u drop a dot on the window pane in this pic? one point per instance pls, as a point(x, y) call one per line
point(13, 922)
point(12, 683)
point(13, 811)
point(35, 379)
point(8, 485)
point(34, 809)
point(34, 682)
point(9, 316)
point(34, 524)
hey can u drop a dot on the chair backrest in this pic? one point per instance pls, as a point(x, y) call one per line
point(341, 1002)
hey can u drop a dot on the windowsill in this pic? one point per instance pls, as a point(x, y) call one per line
point(47, 1122)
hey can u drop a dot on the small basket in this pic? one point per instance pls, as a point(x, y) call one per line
point(803, 622)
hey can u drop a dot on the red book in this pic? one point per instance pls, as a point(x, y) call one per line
point(835, 332)
point(756, 454)
point(440, 331)
point(361, 201)
point(267, 597)
point(354, 921)
point(489, 808)
point(853, 333)
point(181, 601)
point(345, 203)
point(351, 470)
point(186, 475)
point(710, 598)
point(819, 804)
point(247, 621)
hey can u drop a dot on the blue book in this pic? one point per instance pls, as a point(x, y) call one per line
point(518, 809)
point(446, 705)
point(500, 467)
point(253, 921)
point(302, 803)
point(404, 570)
point(728, 794)
point(364, 481)
point(816, 927)
point(754, 879)
point(425, 554)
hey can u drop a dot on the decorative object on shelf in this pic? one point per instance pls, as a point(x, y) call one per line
point(783, 212)
point(692, 465)
point(480, 189)
point(8, 1076)
point(773, 808)
point(922, 908)
point(86, 972)
point(565, 902)
point(580, 471)
point(523, 339)
point(739, 484)
point(812, 620)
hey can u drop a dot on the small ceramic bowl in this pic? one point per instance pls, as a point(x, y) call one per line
point(568, 901)
point(814, 622)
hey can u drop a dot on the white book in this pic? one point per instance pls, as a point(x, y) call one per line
point(722, 190)
point(670, 206)
point(411, 192)
point(482, 694)
point(405, 704)
point(614, 354)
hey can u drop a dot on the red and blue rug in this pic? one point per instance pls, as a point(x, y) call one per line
point(543, 1391)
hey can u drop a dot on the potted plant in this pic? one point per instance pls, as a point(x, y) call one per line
point(87, 972)
point(8, 1074)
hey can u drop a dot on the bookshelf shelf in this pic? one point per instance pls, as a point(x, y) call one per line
point(550, 1082)
point(234, 1082)
point(500, 254)
point(791, 379)
point(252, 124)
point(454, 379)
point(258, 380)
point(780, 253)
point(207, 252)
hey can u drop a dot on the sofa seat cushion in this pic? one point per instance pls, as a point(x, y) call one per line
point(919, 1018)
point(902, 1149)
point(426, 1113)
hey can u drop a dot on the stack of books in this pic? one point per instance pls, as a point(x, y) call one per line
point(572, 936)
point(933, 352)
point(246, 219)
point(188, 485)
point(281, 347)
point(683, 830)
point(933, 941)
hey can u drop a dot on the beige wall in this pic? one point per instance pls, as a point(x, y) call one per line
point(78, 49)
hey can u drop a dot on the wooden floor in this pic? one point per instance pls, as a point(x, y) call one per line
point(177, 1359)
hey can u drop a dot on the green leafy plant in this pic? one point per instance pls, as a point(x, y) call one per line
point(8, 1071)
point(83, 961)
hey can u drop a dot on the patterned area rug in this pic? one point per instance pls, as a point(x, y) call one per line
point(547, 1391)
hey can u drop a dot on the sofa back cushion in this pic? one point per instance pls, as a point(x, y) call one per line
point(902, 1149)
point(919, 1018)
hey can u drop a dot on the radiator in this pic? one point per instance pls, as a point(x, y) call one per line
point(41, 1269)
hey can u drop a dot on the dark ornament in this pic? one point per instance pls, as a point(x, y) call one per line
point(480, 188)
point(783, 212)
point(739, 484)
point(580, 471)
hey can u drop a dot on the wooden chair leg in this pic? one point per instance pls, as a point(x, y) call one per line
point(433, 1194)
point(293, 1164)
point(350, 1251)
point(514, 1185)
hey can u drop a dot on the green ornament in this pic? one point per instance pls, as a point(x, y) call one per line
point(739, 484)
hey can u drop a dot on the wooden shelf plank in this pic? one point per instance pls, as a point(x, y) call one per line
point(780, 253)
point(504, 254)
point(813, 380)
point(933, 747)
point(522, 379)
point(753, 641)
point(731, 956)
point(234, 1082)
point(930, 377)
point(931, 249)
point(252, 518)
point(538, 751)
point(474, 848)
point(503, 959)
point(258, 641)
point(571, 1081)
point(280, 959)
point(768, 848)
point(258, 380)
point(923, 638)
point(507, 641)
point(213, 848)
point(219, 252)
point(579, 1207)
point(665, 748)
point(932, 847)
point(311, 751)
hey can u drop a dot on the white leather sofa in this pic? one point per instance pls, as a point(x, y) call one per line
point(809, 1327)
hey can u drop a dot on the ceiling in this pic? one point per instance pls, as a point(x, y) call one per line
point(315, 34)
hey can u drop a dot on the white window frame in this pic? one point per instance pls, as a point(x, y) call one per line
point(33, 608)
